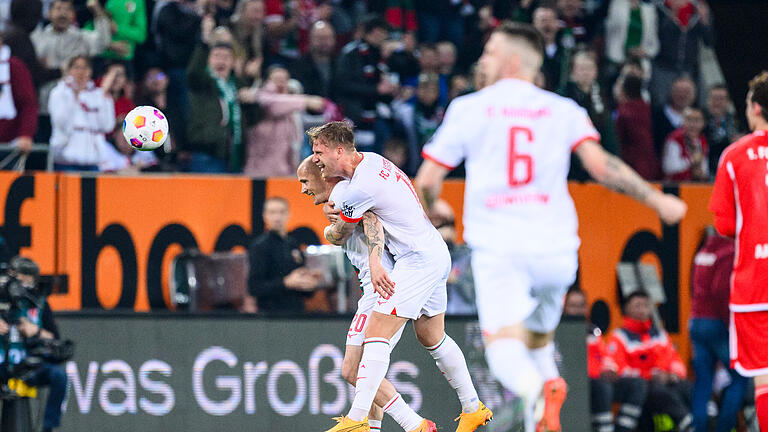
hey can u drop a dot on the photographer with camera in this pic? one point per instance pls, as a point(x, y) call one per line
point(30, 348)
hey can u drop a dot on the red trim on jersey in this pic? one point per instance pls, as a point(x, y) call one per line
point(427, 156)
point(350, 220)
point(584, 139)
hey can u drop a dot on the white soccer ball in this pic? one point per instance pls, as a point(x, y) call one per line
point(145, 128)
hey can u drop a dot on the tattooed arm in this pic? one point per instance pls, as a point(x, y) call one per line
point(613, 173)
point(374, 235)
point(429, 182)
point(339, 231)
point(374, 238)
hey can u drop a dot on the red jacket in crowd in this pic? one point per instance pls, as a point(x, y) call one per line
point(635, 134)
point(638, 349)
point(677, 160)
point(24, 100)
point(711, 279)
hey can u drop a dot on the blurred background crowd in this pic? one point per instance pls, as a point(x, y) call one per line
point(240, 80)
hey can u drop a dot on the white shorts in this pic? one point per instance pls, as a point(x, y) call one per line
point(356, 333)
point(513, 289)
point(419, 286)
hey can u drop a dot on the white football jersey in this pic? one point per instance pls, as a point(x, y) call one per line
point(380, 186)
point(516, 140)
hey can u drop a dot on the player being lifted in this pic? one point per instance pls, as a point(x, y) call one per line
point(357, 250)
point(740, 204)
point(416, 290)
point(516, 141)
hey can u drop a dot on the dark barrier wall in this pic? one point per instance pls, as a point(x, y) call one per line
point(201, 373)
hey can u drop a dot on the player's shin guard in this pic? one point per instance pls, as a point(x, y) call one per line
point(761, 404)
point(450, 360)
point(544, 358)
point(373, 367)
point(511, 363)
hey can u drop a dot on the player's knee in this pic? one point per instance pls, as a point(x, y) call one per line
point(537, 339)
point(349, 371)
point(429, 339)
point(429, 335)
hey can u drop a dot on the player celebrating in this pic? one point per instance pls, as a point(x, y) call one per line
point(356, 248)
point(740, 204)
point(416, 290)
point(519, 218)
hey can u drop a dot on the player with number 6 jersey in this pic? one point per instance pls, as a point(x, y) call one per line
point(516, 141)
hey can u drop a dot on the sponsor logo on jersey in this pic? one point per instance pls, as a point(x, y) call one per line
point(347, 210)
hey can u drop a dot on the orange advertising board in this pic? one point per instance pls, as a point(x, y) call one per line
point(113, 237)
point(119, 234)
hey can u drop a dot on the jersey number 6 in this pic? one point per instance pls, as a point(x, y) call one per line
point(519, 161)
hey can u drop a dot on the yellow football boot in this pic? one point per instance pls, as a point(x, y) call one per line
point(345, 424)
point(468, 422)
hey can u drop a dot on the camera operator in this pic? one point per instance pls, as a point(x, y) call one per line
point(30, 325)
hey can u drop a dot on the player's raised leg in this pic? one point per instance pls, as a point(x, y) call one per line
point(540, 326)
point(505, 303)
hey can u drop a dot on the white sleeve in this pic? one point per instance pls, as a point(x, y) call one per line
point(673, 161)
point(61, 103)
point(580, 127)
point(353, 202)
point(447, 147)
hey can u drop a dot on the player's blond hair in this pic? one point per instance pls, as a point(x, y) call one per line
point(334, 133)
point(528, 39)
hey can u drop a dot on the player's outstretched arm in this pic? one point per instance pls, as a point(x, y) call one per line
point(614, 174)
point(374, 238)
point(429, 183)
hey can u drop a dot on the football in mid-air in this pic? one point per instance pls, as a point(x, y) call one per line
point(145, 128)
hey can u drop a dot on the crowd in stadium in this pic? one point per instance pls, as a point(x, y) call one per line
point(241, 80)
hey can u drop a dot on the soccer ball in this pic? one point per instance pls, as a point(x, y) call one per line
point(145, 128)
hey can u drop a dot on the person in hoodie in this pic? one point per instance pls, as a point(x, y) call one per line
point(81, 116)
point(271, 150)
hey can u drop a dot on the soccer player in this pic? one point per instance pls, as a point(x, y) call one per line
point(416, 290)
point(740, 204)
point(519, 218)
point(356, 248)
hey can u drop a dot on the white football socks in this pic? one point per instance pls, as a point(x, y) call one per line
point(512, 365)
point(402, 413)
point(450, 360)
point(373, 367)
point(374, 425)
point(544, 358)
